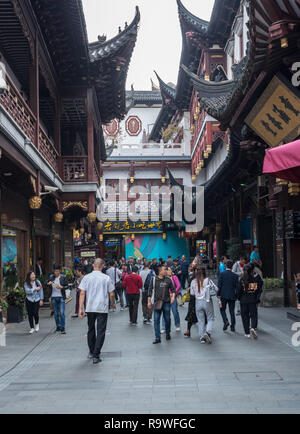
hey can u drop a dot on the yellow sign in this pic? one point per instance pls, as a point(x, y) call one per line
point(276, 115)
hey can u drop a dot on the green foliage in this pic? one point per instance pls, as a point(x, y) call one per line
point(3, 305)
point(271, 283)
point(10, 282)
point(16, 297)
point(234, 249)
point(68, 273)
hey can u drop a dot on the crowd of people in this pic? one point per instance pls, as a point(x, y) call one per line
point(160, 285)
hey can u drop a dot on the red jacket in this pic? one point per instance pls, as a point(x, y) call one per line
point(133, 283)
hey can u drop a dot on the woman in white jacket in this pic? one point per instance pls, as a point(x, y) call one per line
point(203, 289)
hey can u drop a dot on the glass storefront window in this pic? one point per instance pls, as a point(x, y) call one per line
point(9, 257)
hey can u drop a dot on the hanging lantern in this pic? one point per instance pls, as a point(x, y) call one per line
point(164, 236)
point(132, 237)
point(192, 129)
point(205, 154)
point(228, 147)
point(209, 149)
point(197, 109)
point(163, 179)
point(92, 217)
point(194, 179)
point(100, 226)
point(132, 179)
point(284, 42)
point(58, 217)
point(196, 116)
point(101, 238)
point(35, 202)
point(89, 236)
point(81, 231)
point(201, 164)
point(294, 189)
point(197, 171)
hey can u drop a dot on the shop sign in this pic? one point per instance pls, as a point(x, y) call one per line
point(68, 254)
point(276, 115)
point(129, 227)
point(113, 242)
point(88, 254)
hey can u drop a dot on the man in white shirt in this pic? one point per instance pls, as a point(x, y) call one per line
point(115, 274)
point(98, 289)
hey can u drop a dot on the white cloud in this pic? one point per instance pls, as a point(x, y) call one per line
point(159, 39)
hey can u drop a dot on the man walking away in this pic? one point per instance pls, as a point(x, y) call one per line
point(98, 289)
point(238, 269)
point(146, 276)
point(159, 296)
point(184, 268)
point(227, 293)
point(133, 283)
point(115, 274)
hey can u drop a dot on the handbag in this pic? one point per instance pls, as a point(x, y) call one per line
point(68, 293)
point(213, 289)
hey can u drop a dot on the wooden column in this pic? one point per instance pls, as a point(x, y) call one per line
point(90, 135)
point(57, 132)
point(34, 96)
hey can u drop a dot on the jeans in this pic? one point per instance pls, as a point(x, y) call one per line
point(166, 311)
point(174, 308)
point(120, 292)
point(147, 313)
point(183, 280)
point(32, 308)
point(205, 309)
point(133, 307)
point(249, 313)
point(96, 338)
point(231, 304)
point(59, 306)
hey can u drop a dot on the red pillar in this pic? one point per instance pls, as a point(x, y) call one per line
point(90, 135)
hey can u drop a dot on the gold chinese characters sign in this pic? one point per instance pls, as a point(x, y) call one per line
point(276, 115)
point(130, 227)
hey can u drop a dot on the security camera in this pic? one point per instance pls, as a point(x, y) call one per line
point(50, 189)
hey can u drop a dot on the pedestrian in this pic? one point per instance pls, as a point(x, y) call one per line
point(227, 294)
point(255, 257)
point(184, 271)
point(115, 274)
point(154, 266)
point(238, 270)
point(98, 290)
point(161, 295)
point(133, 284)
point(191, 317)
point(34, 300)
point(249, 293)
point(146, 276)
point(174, 306)
point(59, 284)
point(297, 284)
point(169, 261)
point(39, 268)
point(222, 265)
point(203, 289)
point(79, 276)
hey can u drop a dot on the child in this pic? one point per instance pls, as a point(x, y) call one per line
point(297, 281)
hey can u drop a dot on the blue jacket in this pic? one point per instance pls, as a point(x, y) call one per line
point(32, 295)
point(228, 285)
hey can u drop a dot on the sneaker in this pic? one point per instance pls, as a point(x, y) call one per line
point(253, 333)
point(149, 322)
point(134, 324)
point(207, 338)
point(96, 360)
point(74, 316)
point(57, 329)
point(238, 313)
point(168, 337)
point(157, 341)
point(248, 336)
point(225, 327)
point(163, 331)
point(31, 331)
point(232, 329)
point(121, 309)
point(187, 334)
point(178, 329)
point(90, 356)
point(202, 341)
point(145, 321)
point(63, 331)
point(37, 327)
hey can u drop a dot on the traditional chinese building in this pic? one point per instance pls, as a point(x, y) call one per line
point(57, 90)
point(255, 101)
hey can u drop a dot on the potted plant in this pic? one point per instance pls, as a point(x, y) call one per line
point(272, 295)
point(3, 308)
point(234, 249)
point(15, 298)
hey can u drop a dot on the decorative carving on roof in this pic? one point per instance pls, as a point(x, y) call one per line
point(190, 21)
point(168, 93)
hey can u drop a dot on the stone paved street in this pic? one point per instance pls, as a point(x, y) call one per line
point(234, 375)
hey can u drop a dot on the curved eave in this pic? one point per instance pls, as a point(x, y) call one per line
point(99, 51)
point(167, 92)
point(190, 22)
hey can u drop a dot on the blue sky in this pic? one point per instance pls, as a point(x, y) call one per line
point(159, 39)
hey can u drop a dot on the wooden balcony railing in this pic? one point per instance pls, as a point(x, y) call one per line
point(16, 106)
point(75, 169)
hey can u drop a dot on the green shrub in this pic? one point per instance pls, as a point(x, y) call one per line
point(271, 283)
point(234, 249)
point(16, 297)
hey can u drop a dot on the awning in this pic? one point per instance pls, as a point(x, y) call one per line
point(283, 162)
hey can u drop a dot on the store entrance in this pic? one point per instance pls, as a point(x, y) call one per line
point(113, 247)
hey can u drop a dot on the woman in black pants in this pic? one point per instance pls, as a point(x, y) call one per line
point(249, 293)
point(34, 299)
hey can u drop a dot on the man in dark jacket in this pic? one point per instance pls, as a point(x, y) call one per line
point(59, 283)
point(227, 293)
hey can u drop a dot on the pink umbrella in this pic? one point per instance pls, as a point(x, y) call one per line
point(283, 162)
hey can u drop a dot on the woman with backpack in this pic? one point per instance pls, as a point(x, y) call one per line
point(34, 300)
point(249, 293)
point(174, 306)
point(203, 289)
